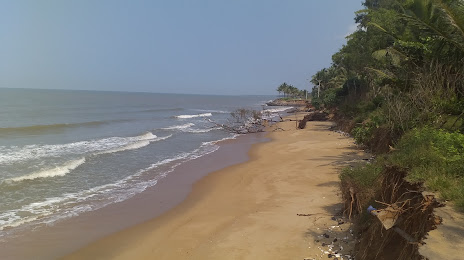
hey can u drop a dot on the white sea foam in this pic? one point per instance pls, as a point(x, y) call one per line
point(277, 110)
point(220, 140)
point(66, 168)
point(201, 130)
point(52, 209)
point(212, 111)
point(9, 155)
point(46, 173)
point(273, 112)
point(193, 116)
point(133, 146)
point(136, 145)
point(174, 127)
point(187, 128)
point(146, 136)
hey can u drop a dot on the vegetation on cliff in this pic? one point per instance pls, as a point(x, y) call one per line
point(397, 86)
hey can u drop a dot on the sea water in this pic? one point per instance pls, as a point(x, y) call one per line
point(67, 152)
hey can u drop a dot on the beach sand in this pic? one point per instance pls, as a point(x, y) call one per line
point(249, 210)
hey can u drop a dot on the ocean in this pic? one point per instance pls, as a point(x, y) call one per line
point(67, 152)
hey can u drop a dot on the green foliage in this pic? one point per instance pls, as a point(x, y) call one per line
point(403, 69)
point(429, 148)
point(363, 133)
point(453, 105)
point(330, 97)
point(290, 91)
point(435, 157)
point(362, 175)
point(316, 102)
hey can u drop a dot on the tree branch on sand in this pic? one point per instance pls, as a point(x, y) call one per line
point(246, 121)
point(243, 121)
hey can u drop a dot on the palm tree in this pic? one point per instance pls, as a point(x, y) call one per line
point(283, 88)
point(443, 20)
point(440, 25)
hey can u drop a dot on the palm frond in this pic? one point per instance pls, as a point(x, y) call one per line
point(376, 25)
point(381, 73)
point(396, 56)
point(454, 15)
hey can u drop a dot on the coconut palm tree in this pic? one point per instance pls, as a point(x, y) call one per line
point(439, 29)
point(442, 20)
point(283, 88)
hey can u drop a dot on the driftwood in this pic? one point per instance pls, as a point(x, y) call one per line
point(245, 121)
point(308, 215)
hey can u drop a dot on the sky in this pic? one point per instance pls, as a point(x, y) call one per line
point(230, 47)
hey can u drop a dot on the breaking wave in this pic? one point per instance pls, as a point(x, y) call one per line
point(212, 111)
point(72, 204)
point(57, 171)
point(277, 110)
point(175, 127)
point(193, 116)
point(136, 145)
point(9, 155)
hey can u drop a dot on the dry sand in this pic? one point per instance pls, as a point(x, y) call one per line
point(249, 210)
point(447, 241)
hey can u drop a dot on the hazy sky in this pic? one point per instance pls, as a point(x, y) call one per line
point(170, 46)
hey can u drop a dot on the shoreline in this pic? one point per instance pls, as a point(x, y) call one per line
point(249, 210)
point(68, 235)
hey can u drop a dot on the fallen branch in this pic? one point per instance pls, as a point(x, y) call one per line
point(308, 215)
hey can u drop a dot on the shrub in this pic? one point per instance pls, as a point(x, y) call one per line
point(364, 132)
point(359, 185)
point(316, 102)
point(331, 97)
point(362, 175)
point(435, 157)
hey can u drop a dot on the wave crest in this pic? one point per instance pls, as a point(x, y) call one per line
point(175, 127)
point(57, 171)
point(194, 116)
point(146, 140)
point(14, 154)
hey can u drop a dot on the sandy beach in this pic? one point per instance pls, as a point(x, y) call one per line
point(250, 210)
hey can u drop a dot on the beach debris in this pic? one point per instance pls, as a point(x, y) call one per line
point(244, 121)
point(342, 133)
point(309, 214)
point(334, 242)
point(388, 218)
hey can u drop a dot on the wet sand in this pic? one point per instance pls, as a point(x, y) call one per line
point(249, 210)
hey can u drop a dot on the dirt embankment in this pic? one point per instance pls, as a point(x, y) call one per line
point(408, 208)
